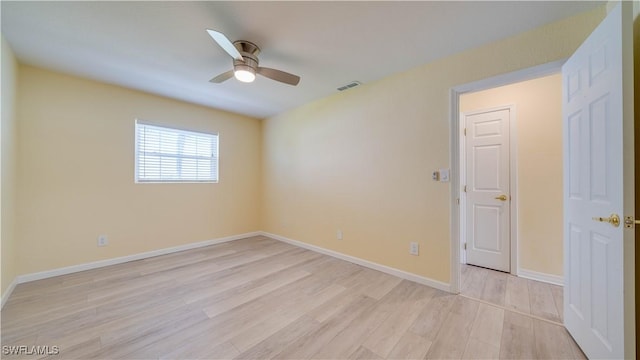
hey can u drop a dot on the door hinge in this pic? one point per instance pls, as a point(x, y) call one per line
point(465, 246)
point(465, 131)
point(630, 222)
point(458, 201)
point(464, 188)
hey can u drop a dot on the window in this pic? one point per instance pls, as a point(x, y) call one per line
point(172, 155)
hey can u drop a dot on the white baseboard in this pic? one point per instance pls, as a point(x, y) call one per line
point(538, 276)
point(375, 266)
point(7, 293)
point(119, 260)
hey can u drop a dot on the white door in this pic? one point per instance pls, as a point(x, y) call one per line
point(487, 186)
point(594, 191)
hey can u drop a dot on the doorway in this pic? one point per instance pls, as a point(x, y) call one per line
point(457, 247)
point(511, 214)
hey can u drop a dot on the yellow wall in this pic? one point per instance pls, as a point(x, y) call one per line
point(538, 113)
point(76, 155)
point(361, 160)
point(8, 151)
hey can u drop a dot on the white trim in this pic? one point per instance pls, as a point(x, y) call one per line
point(7, 293)
point(538, 276)
point(371, 265)
point(119, 260)
point(513, 191)
point(454, 134)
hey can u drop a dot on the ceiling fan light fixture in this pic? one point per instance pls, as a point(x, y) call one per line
point(244, 73)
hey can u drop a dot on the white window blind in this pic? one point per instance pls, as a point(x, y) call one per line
point(172, 155)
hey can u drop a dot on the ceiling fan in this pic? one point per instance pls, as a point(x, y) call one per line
point(245, 62)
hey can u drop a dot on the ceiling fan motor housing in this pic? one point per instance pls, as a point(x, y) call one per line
point(246, 47)
point(248, 63)
point(249, 52)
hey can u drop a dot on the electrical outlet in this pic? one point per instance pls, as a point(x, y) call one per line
point(414, 248)
point(339, 234)
point(102, 240)
point(435, 176)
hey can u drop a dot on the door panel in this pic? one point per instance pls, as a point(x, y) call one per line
point(487, 222)
point(487, 169)
point(592, 107)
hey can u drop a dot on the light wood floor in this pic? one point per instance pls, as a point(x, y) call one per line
point(514, 293)
point(258, 298)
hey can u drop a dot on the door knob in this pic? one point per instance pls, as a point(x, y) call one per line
point(501, 198)
point(614, 220)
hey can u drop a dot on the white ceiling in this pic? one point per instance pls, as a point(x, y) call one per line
point(162, 47)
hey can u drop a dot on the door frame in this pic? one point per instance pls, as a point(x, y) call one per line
point(513, 190)
point(455, 134)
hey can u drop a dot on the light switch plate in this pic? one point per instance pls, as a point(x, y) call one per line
point(444, 175)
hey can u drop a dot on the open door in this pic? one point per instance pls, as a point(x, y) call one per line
point(598, 191)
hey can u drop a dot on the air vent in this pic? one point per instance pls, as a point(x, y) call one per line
point(349, 85)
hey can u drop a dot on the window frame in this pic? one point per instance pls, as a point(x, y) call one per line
point(136, 176)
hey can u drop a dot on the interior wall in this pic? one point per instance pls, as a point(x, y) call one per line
point(8, 171)
point(76, 174)
point(538, 117)
point(361, 161)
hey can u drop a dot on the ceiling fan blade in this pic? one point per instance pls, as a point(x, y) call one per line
point(225, 44)
point(222, 77)
point(279, 75)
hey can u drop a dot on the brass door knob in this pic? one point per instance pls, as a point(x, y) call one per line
point(501, 198)
point(614, 220)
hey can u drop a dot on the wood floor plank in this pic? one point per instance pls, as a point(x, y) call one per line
point(389, 314)
point(477, 349)
point(271, 346)
point(353, 335)
point(250, 274)
point(327, 311)
point(431, 318)
point(246, 296)
point(558, 295)
point(306, 347)
point(142, 340)
point(487, 326)
point(381, 286)
point(263, 330)
point(517, 294)
point(199, 346)
point(362, 353)
point(542, 302)
point(517, 337)
point(495, 287)
point(474, 284)
point(412, 301)
point(410, 346)
point(452, 338)
point(551, 341)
